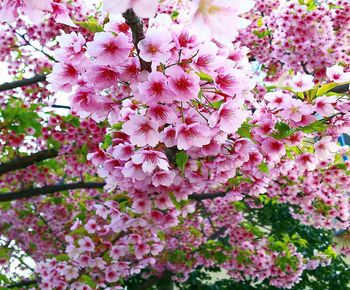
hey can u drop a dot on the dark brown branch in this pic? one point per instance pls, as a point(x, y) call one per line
point(217, 234)
point(138, 34)
point(22, 83)
point(203, 196)
point(23, 162)
point(32, 192)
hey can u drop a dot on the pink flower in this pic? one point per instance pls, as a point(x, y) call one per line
point(141, 250)
point(134, 171)
point(277, 99)
point(231, 81)
point(71, 48)
point(336, 74)
point(184, 86)
point(295, 109)
point(306, 162)
point(109, 49)
point(302, 82)
point(91, 226)
point(155, 89)
point(150, 159)
point(142, 205)
point(123, 151)
point(162, 114)
point(63, 76)
point(168, 136)
point(102, 76)
point(60, 13)
point(211, 18)
point(163, 178)
point(273, 148)
point(118, 251)
point(112, 274)
point(324, 106)
point(31, 8)
point(156, 46)
point(143, 8)
point(195, 135)
point(229, 117)
point(70, 272)
point(163, 201)
point(142, 131)
point(86, 244)
point(325, 148)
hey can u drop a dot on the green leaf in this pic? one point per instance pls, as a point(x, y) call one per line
point(263, 167)
point(181, 161)
point(283, 131)
point(4, 279)
point(325, 89)
point(244, 131)
point(205, 77)
point(317, 126)
point(91, 25)
point(88, 280)
point(62, 257)
point(107, 142)
point(261, 34)
point(174, 15)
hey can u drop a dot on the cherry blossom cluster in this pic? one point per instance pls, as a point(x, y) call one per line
point(303, 37)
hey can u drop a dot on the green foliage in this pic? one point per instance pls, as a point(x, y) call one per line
point(91, 24)
point(181, 161)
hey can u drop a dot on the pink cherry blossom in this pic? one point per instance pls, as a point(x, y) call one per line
point(156, 46)
point(150, 159)
point(132, 170)
point(63, 76)
point(184, 86)
point(163, 201)
point(336, 74)
point(102, 76)
point(229, 117)
point(86, 244)
point(295, 109)
point(195, 135)
point(163, 178)
point(307, 162)
point(212, 17)
point(61, 14)
point(324, 106)
point(155, 89)
point(141, 250)
point(302, 82)
point(325, 148)
point(273, 148)
point(91, 226)
point(143, 8)
point(142, 131)
point(108, 48)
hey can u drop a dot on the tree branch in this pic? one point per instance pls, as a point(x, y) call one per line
point(136, 26)
point(203, 196)
point(32, 192)
point(23, 162)
point(22, 83)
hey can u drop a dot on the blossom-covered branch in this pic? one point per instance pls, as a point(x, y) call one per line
point(136, 26)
